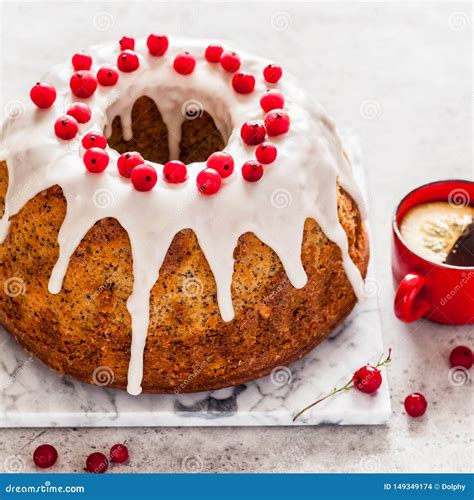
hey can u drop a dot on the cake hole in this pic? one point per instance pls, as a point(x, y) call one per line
point(200, 136)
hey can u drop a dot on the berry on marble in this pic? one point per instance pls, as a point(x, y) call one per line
point(367, 379)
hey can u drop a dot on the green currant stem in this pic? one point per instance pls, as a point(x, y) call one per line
point(381, 362)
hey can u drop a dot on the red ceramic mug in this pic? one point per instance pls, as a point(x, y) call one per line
point(438, 292)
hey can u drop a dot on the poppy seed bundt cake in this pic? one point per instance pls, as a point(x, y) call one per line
point(178, 213)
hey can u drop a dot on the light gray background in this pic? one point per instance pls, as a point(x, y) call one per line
point(399, 74)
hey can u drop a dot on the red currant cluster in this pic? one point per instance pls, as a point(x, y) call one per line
point(46, 455)
point(254, 132)
point(83, 84)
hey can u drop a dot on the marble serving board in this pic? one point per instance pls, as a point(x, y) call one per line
point(34, 396)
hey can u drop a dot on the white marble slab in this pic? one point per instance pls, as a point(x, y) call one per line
point(34, 396)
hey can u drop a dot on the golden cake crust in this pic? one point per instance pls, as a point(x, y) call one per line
point(189, 347)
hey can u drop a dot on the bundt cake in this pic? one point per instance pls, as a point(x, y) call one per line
point(180, 214)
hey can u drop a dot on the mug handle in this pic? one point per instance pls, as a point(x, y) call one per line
point(408, 306)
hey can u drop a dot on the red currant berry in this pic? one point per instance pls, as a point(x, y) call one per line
point(127, 43)
point(128, 61)
point(222, 162)
point(43, 95)
point(253, 132)
point(213, 53)
point(252, 171)
point(128, 161)
point(157, 44)
point(94, 140)
point(272, 73)
point(461, 356)
point(97, 463)
point(45, 456)
point(367, 379)
point(143, 177)
point(266, 153)
point(119, 453)
point(83, 84)
point(184, 63)
point(175, 172)
point(277, 122)
point(80, 111)
point(208, 181)
point(272, 99)
point(96, 160)
point(107, 76)
point(243, 83)
point(415, 404)
point(66, 127)
point(230, 61)
point(81, 61)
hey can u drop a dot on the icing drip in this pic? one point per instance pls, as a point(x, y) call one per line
point(301, 184)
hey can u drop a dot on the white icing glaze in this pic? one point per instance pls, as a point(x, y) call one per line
point(300, 184)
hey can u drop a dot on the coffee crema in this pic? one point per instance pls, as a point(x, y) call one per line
point(440, 232)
